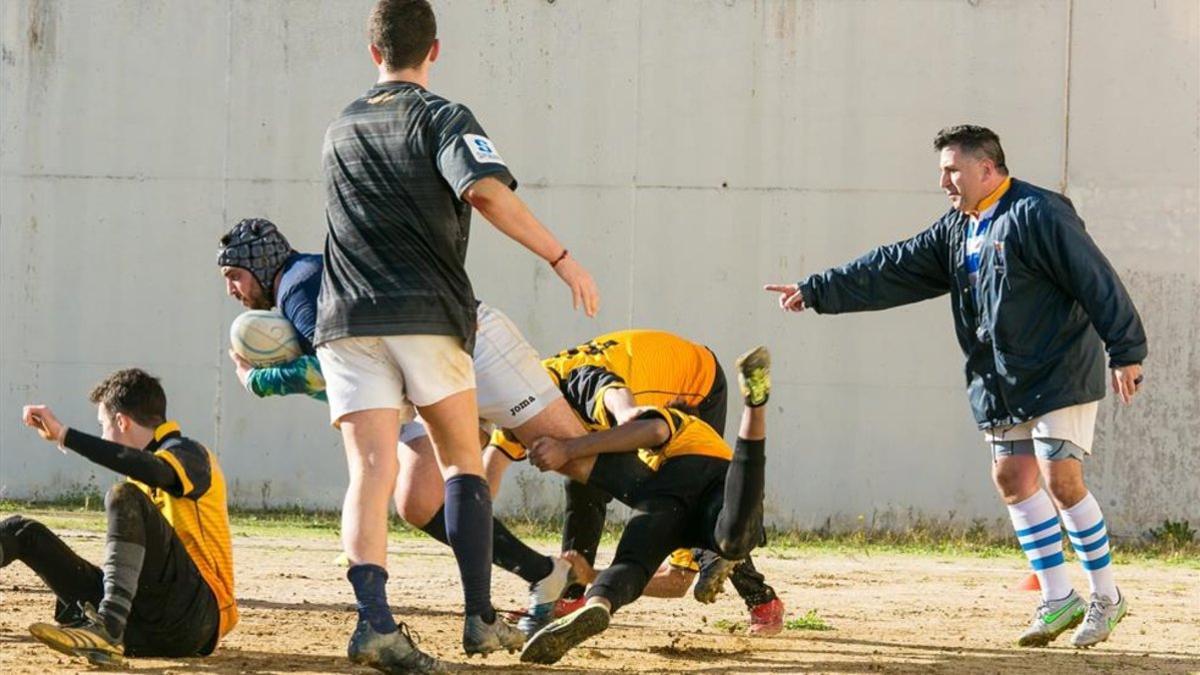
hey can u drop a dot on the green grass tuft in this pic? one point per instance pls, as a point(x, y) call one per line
point(809, 621)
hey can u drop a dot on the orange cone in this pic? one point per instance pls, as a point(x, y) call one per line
point(1029, 583)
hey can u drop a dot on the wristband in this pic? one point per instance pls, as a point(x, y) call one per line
point(559, 259)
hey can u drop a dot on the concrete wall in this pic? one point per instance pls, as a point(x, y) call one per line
point(686, 151)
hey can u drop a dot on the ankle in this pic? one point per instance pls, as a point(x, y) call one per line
point(596, 600)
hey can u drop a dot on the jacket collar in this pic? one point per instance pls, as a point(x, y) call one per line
point(992, 199)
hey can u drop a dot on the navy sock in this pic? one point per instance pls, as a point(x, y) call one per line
point(513, 555)
point(469, 529)
point(436, 527)
point(370, 589)
point(508, 552)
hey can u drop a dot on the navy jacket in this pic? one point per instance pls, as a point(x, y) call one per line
point(1047, 298)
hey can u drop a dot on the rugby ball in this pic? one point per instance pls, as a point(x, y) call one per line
point(264, 338)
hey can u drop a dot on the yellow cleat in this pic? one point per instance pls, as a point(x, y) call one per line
point(89, 640)
point(754, 376)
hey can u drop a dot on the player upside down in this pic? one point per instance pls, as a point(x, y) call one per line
point(609, 380)
point(703, 495)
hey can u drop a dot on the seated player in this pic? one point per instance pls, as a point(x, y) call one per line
point(261, 270)
point(702, 495)
point(165, 587)
point(609, 380)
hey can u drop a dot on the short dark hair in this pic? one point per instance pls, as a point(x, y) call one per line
point(977, 140)
point(135, 393)
point(403, 31)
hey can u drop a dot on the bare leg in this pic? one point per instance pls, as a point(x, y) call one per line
point(370, 438)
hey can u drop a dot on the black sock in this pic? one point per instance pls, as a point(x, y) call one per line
point(739, 526)
point(508, 552)
point(513, 555)
point(469, 528)
point(436, 527)
point(583, 525)
point(370, 584)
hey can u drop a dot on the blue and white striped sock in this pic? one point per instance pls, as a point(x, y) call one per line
point(1040, 535)
point(1089, 538)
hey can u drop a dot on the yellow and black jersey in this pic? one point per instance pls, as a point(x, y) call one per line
point(659, 368)
point(689, 435)
point(198, 514)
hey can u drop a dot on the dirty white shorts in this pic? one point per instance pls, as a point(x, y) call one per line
point(510, 382)
point(393, 372)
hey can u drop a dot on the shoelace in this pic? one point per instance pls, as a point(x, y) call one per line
point(414, 638)
point(91, 614)
point(1095, 611)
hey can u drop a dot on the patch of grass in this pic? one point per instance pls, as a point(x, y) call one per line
point(1174, 543)
point(918, 539)
point(809, 621)
point(729, 626)
point(1173, 534)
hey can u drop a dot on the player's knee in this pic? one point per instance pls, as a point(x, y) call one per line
point(736, 545)
point(11, 525)
point(15, 531)
point(123, 497)
point(415, 511)
point(1067, 490)
point(1013, 485)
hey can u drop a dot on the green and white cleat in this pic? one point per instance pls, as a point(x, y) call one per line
point(1053, 618)
point(754, 376)
point(1103, 615)
point(551, 643)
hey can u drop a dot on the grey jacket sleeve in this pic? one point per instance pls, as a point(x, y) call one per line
point(1062, 250)
point(898, 274)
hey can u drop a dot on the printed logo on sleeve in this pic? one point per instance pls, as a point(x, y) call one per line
point(482, 149)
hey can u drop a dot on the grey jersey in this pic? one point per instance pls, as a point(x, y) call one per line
point(396, 164)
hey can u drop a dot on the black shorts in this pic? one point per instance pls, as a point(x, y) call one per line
point(619, 475)
point(694, 484)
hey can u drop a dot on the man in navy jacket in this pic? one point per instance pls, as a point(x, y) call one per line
point(1036, 305)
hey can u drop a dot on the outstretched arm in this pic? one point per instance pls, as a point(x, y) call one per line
point(139, 465)
point(897, 274)
point(509, 214)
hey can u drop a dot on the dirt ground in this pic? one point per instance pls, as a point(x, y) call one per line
point(888, 613)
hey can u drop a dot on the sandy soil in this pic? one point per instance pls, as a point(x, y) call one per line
point(889, 613)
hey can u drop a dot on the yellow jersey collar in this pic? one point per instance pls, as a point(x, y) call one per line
point(990, 200)
point(164, 431)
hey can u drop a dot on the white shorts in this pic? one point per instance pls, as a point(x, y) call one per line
point(393, 372)
point(1075, 423)
point(511, 384)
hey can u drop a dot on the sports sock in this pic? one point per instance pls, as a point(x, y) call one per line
point(1089, 538)
point(1040, 535)
point(508, 552)
point(370, 589)
point(583, 525)
point(738, 528)
point(469, 529)
point(124, 555)
point(122, 567)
